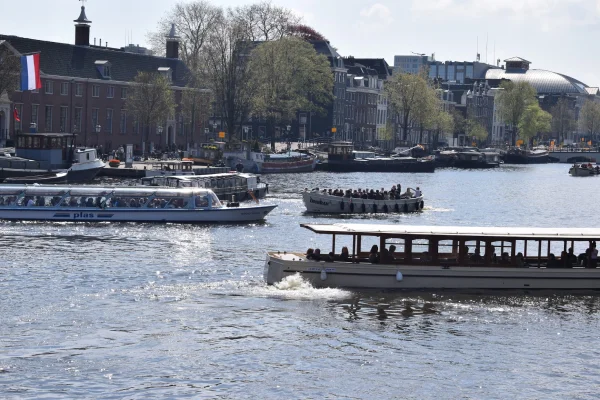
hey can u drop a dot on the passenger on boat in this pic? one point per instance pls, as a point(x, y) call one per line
point(30, 202)
point(345, 254)
point(385, 256)
point(520, 260)
point(374, 255)
point(594, 256)
point(392, 252)
point(564, 259)
point(418, 192)
point(476, 257)
point(572, 257)
point(310, 253)
point(552, 261)
point(1, 201)
point(504, 258)
point(317, 255)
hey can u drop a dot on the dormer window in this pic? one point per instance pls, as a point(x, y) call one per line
point(104, 68)
point(166, 72)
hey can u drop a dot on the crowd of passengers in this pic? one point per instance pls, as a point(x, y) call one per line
point(589, 259)
point(100, 202)
point(395, 193)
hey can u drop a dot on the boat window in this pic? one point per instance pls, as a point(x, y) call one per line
point(215, 202)
point(9, 200)
point(201, 201)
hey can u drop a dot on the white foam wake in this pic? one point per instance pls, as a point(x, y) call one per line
point(295, 287)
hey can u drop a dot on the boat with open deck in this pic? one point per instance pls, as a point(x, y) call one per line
point(433, 257)
point(324, 202)
point(123, 204)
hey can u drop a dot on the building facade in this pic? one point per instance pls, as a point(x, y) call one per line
point(85, 89)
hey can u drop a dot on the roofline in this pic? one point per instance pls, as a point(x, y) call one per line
point(497, 233)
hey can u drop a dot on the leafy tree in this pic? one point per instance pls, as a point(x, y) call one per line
point(513, 101)
point(404, 92)
point(475, 130)
point(9, 71)
point(443, 125)
point(151, 100)
point(425, 111)
point(589, 118)
point(533, 121)
point(195, 107)
point(286, 76)
point(563, 119)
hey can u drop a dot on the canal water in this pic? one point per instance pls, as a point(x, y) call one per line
point(142, 311)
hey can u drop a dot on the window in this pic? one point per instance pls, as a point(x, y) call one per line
point(136, 126)
point(49, 86)
point(95, 121)
point(48, 120)
point(78, 90)
point(77, 119)
point(64, 88)
point(95, 91)
point(123, 93)
point(34, 113)
point(106, 71)
point(110, 92)
point(123, 124)
point(109, 120)
point(64, 111)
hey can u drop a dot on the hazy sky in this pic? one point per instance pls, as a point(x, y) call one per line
point(558, 35)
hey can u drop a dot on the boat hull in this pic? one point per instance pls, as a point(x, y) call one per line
point(465, 164)
point(510, 158)
point(93, 214)
point(84, 172)
point(323, 203)
point(578, 171)
point(287, 167)
point(378, 166)
point(412, 277)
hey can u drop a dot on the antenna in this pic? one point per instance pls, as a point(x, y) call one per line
point(477, 47)
point(486, 47)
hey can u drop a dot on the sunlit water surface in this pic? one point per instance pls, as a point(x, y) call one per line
point(162, 311)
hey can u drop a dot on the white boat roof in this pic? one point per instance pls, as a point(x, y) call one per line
point(456, 231)
point(58, 190)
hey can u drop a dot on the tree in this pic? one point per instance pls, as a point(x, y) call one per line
point(9, 71)
point(589, 118)
point(563, 119)
point(195, 108)
point(263, 21)
point(425, 111)
point(286, 76)
point(194, 23)
point(151, 100)
point(533, 121)
point(513, 101)
point(443, 124)
point(305, 32)
point(404, 92)
point(475, 130)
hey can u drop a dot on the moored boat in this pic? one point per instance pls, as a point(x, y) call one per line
point(431, 257)
point(240, 185)
point(323, 202)
point(584, 170)
point(521, 156)
point(121, 204)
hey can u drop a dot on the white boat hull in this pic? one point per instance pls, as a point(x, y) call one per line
point(414, 277)
point(316, 202)
point(94, 214)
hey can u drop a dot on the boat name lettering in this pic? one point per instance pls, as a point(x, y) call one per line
point(321, 202)
point(318, 269)
point(83, 215)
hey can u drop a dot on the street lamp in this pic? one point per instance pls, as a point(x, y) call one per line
point(98, 127)
point(215, 130)
point(160, 131)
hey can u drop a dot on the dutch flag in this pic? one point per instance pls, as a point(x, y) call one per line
point(30, 72)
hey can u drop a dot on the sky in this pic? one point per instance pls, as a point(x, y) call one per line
point(556, 35)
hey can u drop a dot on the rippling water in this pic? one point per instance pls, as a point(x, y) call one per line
point(162, 311)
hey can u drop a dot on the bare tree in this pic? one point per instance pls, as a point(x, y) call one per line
point(151, 100)
point(194, 23)
point(9, 70)
point(563, 118)
point(195, 107)
point(589, 118)
point(263, 21)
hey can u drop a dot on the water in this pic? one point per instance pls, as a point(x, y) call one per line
point(176, 311)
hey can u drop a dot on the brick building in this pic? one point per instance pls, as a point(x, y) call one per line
point(85, 88)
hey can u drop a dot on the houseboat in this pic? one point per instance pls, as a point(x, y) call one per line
point(239, 185)
point(473, 159)
point(324, 202)
point(342, 157)
point(433, 257)
point(518, 155)
point(121, 204)
point(241, 157)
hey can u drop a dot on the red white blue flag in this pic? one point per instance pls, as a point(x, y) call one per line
point(30, 72)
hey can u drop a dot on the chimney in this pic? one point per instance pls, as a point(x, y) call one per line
point(82, 29)
point(172, 43)
point(100, 42)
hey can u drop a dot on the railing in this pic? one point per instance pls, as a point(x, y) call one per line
point(586, 150)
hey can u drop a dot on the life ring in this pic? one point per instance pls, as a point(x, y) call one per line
point(374, 208)
point(405, 207)
point(351, 207)
point(363, 207)
point(385, 208)
point(342, 205)
point(396, 208)
point(421, 205)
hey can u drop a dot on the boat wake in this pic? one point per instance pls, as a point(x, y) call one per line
point(295, 287)
point(437, 209)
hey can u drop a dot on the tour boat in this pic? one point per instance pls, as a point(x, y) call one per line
point(433, 257)
point(323, 202)
point(242, 186)
point(168, 168)
point(123, 204)
point(584, 170)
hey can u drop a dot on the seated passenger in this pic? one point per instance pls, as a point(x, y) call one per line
point(374, 255)
point(1, 201)
point(344, 255)
point(385, 256)
point(310, 253)
point(317, 255)
point(476, 257)
point(30, 202)
point(520, 260)
point(552, 262)
point(392, 252)
point(504, 258)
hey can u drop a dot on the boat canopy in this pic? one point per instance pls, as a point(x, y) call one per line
point(134, 191)
point(451, 232)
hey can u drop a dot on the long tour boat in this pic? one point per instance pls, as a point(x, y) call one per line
point(122, 204)
point(323, 202)
point(430, 257)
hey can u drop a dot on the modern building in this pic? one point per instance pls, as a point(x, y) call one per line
point(412, 64)
point(85, 88)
